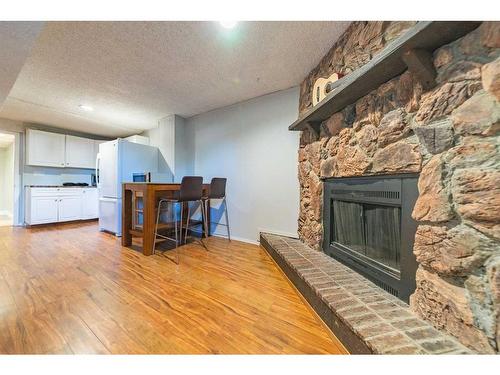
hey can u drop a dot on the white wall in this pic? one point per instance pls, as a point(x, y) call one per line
point(163, 137)
point(34, 175)
point(249, 144)
point(184, 160)
point(170, 138)
point(7, 180)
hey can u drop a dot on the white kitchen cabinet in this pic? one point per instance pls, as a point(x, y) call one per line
point(90, 203)
point(79, 152)
point(52, 204)
point(70, 208)
point(58, 150)
point(45, 149)
point(44, 210)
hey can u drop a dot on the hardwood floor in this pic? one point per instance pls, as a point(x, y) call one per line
point(71, 289)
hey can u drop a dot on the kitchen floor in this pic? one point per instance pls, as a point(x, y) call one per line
point(68, 288)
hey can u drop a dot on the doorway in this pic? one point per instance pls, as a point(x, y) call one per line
point(7, 178)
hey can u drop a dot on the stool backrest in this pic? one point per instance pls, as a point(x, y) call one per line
point(217, 188)
point(191, 188)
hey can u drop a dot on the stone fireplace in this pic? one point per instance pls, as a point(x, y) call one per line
point(447, 135)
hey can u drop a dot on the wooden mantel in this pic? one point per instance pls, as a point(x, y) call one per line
point(412, 50)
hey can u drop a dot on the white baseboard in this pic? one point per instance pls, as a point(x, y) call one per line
point(236, 238)
point(278, 232)
point(241, 239)
point(259, 230)
point(6, 213)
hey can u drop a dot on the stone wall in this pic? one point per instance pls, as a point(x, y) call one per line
point(451, 135)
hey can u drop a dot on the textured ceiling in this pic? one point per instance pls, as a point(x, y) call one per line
point(134, 73)
point(16, 41)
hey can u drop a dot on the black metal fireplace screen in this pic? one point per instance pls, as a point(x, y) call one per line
point(368, 227)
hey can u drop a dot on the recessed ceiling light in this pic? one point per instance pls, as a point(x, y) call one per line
point(85, 108)
point(228, 24)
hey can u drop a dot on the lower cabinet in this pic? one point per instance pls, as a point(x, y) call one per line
point(90, 204)
point(70, 208)
point(52, 205)
point(44, 210)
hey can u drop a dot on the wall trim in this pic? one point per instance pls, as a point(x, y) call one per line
point(220, 235)
point(6, 213)
point(278, 232)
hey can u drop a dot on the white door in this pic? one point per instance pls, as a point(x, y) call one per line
point(45, 149)
point(44, 210)
point(90, 204)
point(79, 152)
point(70, 208)
point(108, 167)
point(110, 215)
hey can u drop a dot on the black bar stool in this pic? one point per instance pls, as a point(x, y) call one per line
point(191, 190)
point(163, 206)
point(217, 191)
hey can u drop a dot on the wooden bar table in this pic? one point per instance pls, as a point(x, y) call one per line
point(150, 193)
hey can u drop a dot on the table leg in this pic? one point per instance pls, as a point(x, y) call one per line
point(126, 217)
point(148, 228)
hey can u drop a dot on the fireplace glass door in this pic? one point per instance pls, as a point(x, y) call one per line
point(372, 231)
point(368, 226)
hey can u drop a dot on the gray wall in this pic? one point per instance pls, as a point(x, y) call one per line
point(249, 143)
point(7, 180)
point(176, 154)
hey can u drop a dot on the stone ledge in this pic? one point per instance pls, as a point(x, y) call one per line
point(363, 316)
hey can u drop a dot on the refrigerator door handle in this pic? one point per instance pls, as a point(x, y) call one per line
point(97, 165)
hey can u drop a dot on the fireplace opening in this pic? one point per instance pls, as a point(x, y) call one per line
point(368, 227)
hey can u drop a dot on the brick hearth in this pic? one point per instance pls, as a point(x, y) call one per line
point(364, 317)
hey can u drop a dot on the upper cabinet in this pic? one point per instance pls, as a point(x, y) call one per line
point(58, 150)
point(45, 149)
point(79, 152)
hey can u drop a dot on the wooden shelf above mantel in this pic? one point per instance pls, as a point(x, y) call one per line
point(411, 50)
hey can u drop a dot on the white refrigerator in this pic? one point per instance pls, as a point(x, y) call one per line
point(116, 163)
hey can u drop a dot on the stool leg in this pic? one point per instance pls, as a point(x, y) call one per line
point(180, 223)
point(204, 216)
point(156, 227)
point(207, 224)
point(204, 223)
point(187, 223)
point(227, 219)
point(176, 234)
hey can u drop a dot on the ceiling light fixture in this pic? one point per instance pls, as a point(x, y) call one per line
point(85, 108)
point(228, 24)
